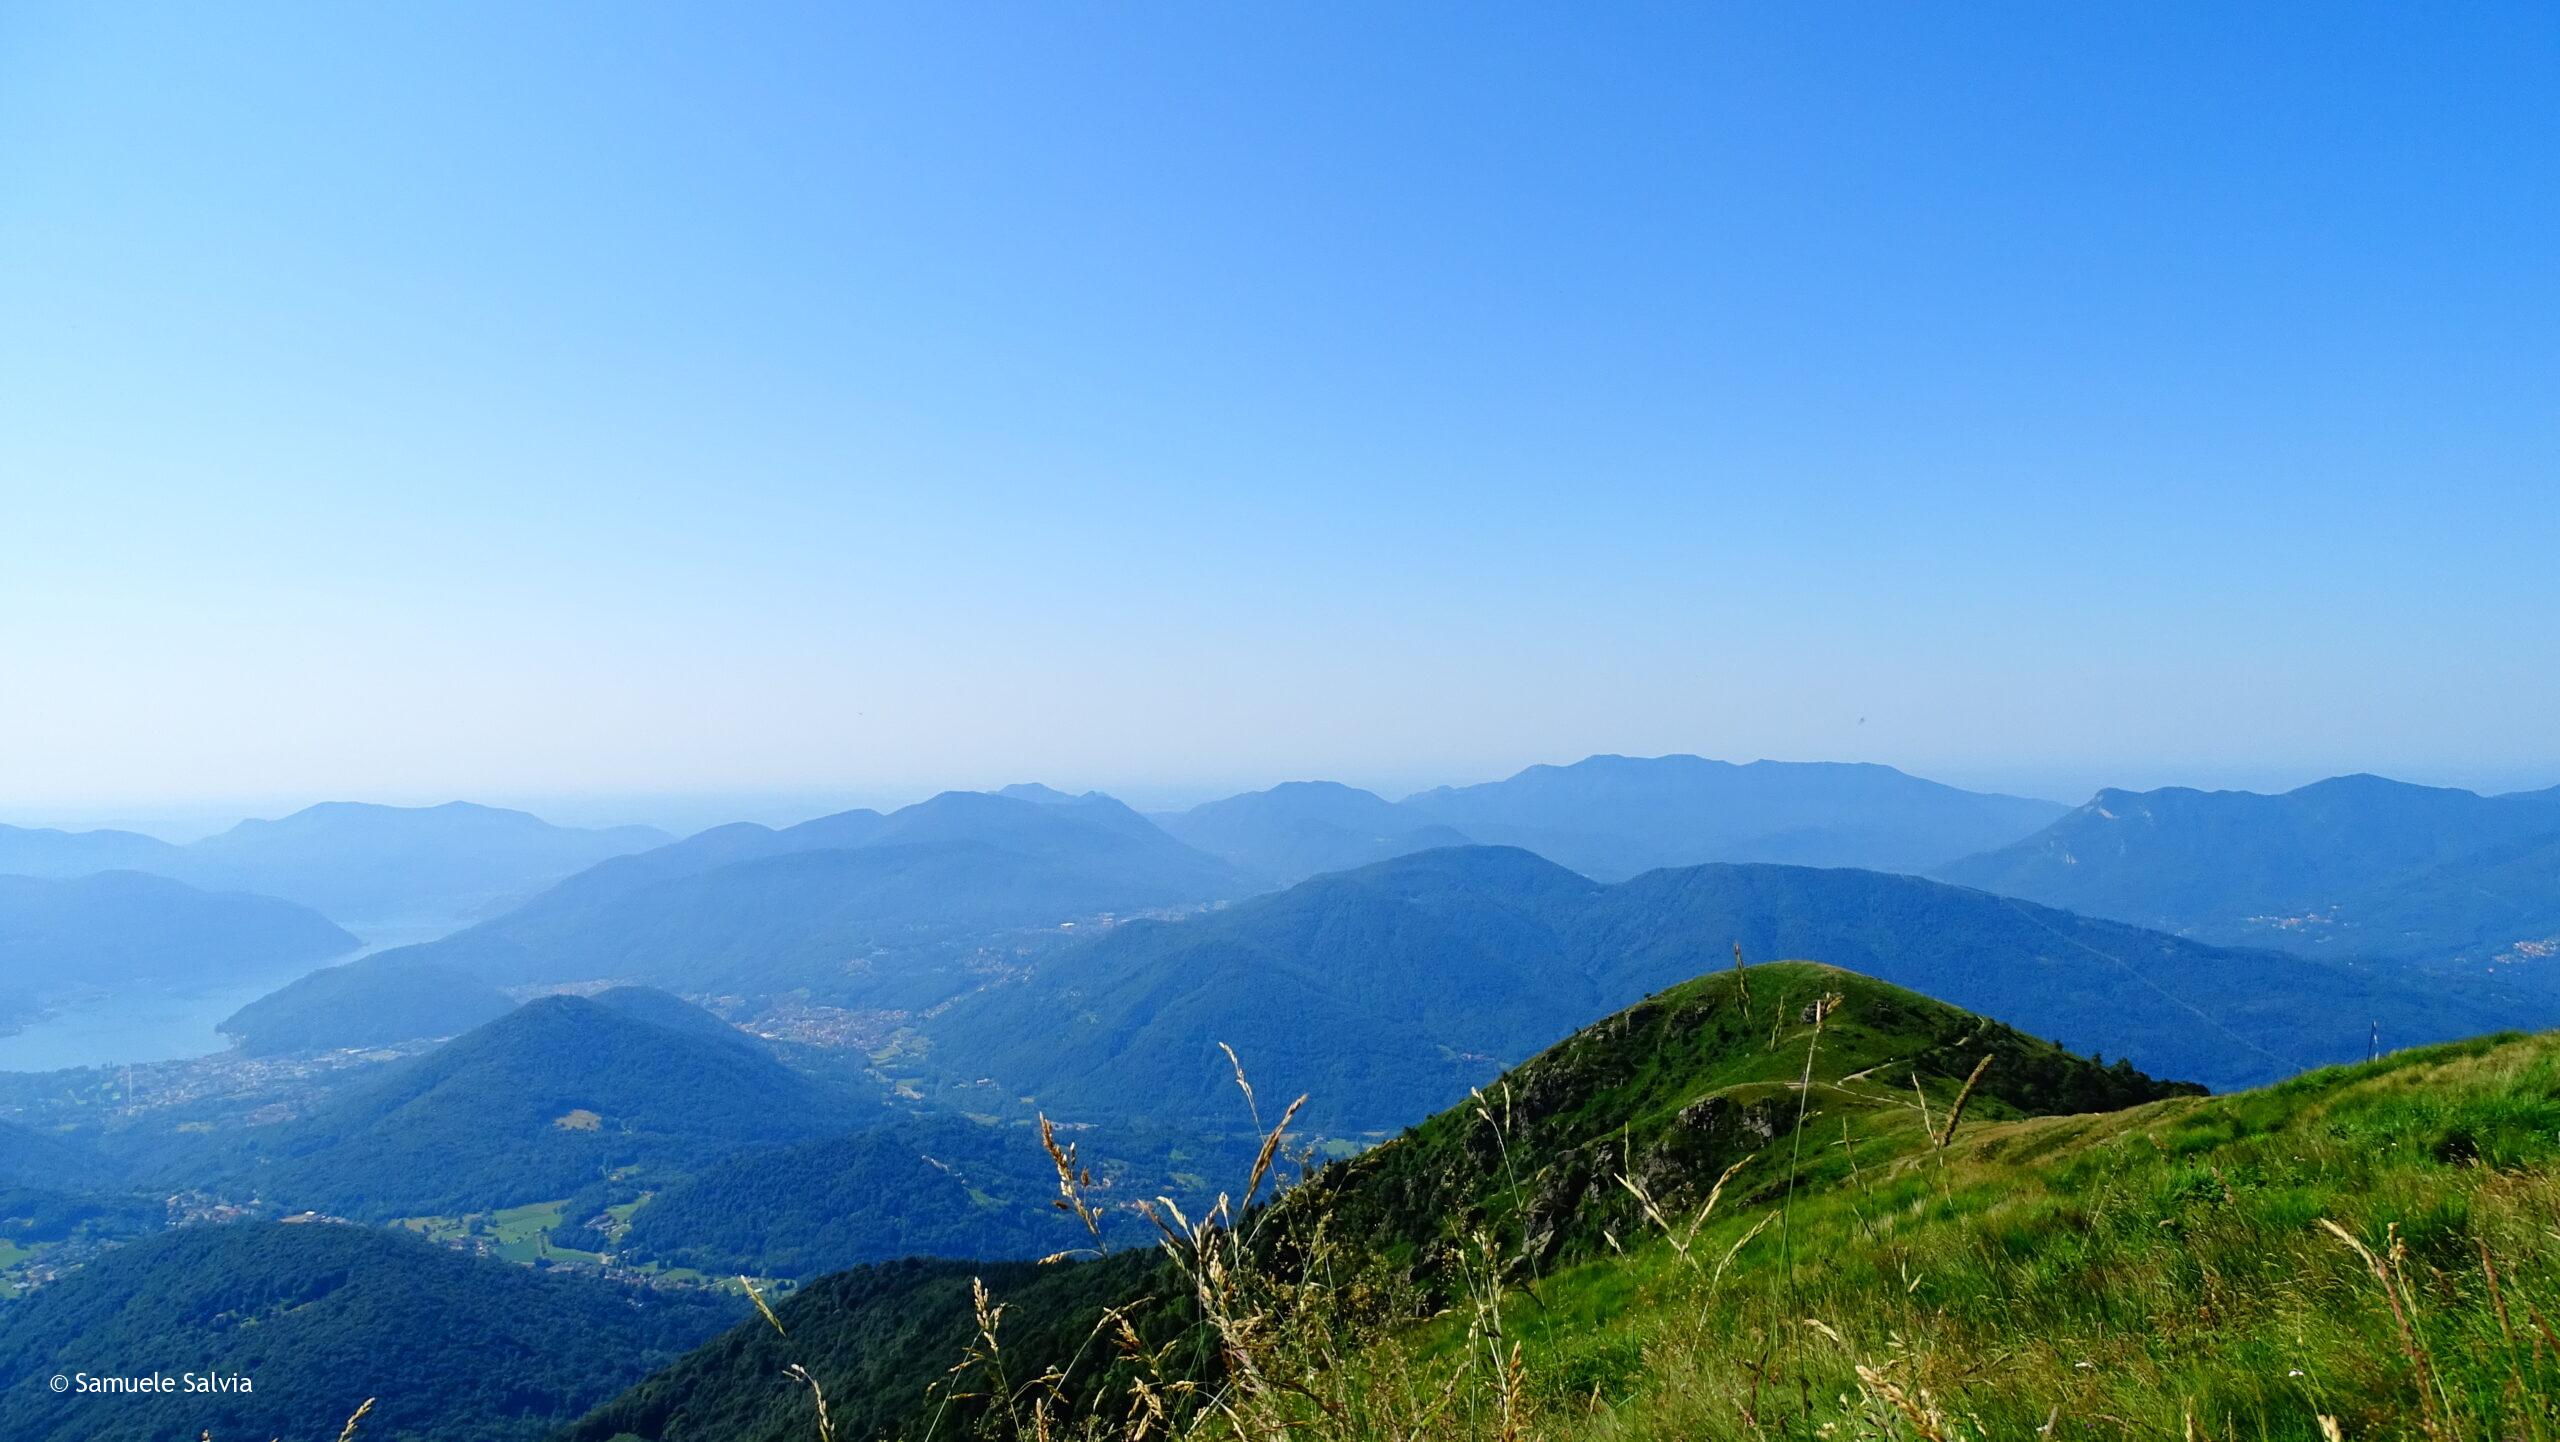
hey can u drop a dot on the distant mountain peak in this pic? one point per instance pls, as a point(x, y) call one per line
point(1040, 792)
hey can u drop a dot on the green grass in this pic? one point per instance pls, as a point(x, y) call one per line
point(2372, 1249)
point(12, 1256)
point(520, 1234)
point(2168, 1269)
point(523, 1234)
point(2113, 1276)
point(620, 1213)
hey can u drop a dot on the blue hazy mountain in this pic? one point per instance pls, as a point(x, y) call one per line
point(1387, 991)
point(1300, 828)
point(402, 865)
point(863, 909)
point(2497, 907)
point(1612, 817)
point(122, 927)
point(374, 868)
point(1037, 791)
point(565, 906)
point(372, 1001)
point(321, 1317)
point(537, 1103)
point(2355, 865)
point(43, 851)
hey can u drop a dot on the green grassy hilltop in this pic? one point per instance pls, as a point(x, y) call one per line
point(2373, 1244)
point(1774, 1204)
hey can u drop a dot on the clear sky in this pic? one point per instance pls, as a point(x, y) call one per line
point(414, 401)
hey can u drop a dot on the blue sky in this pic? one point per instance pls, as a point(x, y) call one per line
point(586, 401)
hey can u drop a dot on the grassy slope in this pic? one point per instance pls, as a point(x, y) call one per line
point(2114, 1274)
point(1636, 1081)
point(2125, 1273)
point(1679, 1087)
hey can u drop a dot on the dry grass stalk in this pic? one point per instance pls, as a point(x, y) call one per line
point(1270, 1149)
point(348, 1432)
point(2403, 1316)
point(1762, 1225)
point(1715, 1194)
point(826, 1426)
point(1242, 1084)
point(1514, 1387)
point(758, 1298)
point(1075, 1188)
point(1917, 1410)
point(1955, 1113)
point(1683, 1239)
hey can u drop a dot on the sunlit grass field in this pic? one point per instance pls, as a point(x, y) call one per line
point(2364, 1251)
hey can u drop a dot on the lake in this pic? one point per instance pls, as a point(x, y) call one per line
point(111, 1029)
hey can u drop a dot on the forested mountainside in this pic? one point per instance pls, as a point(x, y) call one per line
point(1386, 992)
point(321, 1318)
point(925, 1185)
point(374, 1001)
point(531, 1107)
point(30, 1158)
point(2351, 866)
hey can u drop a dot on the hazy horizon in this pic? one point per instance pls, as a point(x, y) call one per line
point(597, 402)
point(683, 813)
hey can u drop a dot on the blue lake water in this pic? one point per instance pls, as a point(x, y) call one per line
point(109, 1029)
point(113, 1029)
point(142, 1025)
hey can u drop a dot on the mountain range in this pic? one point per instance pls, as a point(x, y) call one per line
point(859, 909)
point(898, 913)
point(370, 868)
point(1042, 952)
point(1612, 817)
point(2351, 866)
point(1389, 990)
